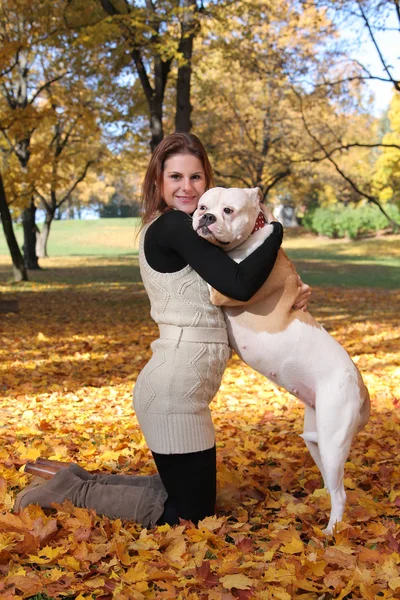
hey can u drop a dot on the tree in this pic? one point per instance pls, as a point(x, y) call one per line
point(189, 25)
point(155, 35)
point(251, 121)
point(372, 17)
point(386, 179)
point(112, 189)
point(19, 269)
point(51, 124)
point(66, 145)
point(330, 148)
point(26, 31)
point(247, 127)
point(367, 17)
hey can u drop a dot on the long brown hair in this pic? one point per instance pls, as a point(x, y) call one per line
point(176, 143)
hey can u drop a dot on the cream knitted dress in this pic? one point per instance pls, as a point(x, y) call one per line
point(172, 393)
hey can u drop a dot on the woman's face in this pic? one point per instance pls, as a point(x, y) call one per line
point(183, 182)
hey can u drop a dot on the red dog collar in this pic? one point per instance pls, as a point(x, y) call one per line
point(260, 222)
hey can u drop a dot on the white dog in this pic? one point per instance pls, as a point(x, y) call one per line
point(288, 346)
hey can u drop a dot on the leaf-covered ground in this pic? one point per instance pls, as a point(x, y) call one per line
point(69, 361)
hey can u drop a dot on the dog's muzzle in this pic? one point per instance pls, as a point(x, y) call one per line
point(207, 219)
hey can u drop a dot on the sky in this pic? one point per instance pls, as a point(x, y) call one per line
point(366, 53)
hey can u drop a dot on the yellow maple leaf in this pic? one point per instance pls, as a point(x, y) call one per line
point(295, 546)
point(142, 586)
point(95, 583)
point(212, 523)
point(237, 580)
point(30, 453)
point(7, 540)
point(278, 593)
point(136, 573)
point(349, 483)
point(394, 583)
point(175, 549)
point(47, 555)
point(70, 563)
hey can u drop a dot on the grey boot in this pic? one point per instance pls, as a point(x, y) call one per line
point(141, 504)
point(153, 481)
point(36, 482)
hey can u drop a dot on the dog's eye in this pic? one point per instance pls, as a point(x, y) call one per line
point(228, 211)
point(202, 207)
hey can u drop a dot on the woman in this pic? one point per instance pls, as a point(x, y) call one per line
point(174, 390)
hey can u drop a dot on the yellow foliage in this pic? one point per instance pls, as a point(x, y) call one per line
point(386, 178)
point(66, 394)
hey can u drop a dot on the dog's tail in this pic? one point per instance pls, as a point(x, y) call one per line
point(310, 436)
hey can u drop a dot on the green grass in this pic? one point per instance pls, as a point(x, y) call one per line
point(372, 262)
point(105, 251)
point(98, 237)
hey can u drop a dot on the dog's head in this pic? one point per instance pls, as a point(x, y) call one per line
point(226, 217)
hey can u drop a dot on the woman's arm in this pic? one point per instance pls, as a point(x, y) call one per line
point(173, 233)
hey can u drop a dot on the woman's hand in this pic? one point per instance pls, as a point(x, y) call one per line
point(269, 217)
point(303, 296)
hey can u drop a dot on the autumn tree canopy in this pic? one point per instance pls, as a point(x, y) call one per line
point(275, 92)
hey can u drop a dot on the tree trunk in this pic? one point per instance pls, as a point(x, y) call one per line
point(42, 238)
point(71, 210)
point(19, 269)
point(154, 95)
point(156, 124)
point(189, 30)
point(156, 101)
point(29, 247)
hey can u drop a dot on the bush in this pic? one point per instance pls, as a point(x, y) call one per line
point(348, 221)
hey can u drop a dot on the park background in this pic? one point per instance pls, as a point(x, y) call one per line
point(299, 98)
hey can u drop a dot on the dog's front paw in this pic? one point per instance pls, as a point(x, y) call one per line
point(328, 530)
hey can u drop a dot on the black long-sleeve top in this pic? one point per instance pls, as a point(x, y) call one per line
point(171, 244)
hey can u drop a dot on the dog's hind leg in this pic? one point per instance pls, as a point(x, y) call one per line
point(310, 436)
point(337, 420)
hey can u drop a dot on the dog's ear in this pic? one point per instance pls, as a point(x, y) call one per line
point(255, 194)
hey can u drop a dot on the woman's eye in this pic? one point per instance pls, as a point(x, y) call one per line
point(228, 211)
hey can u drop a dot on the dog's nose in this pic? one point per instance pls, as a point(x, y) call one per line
point(207, 220)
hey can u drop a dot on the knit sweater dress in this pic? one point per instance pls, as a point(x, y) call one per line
point(172, 393)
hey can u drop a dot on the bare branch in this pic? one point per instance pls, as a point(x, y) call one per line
point(276, 180)
point(9, 96)
point(9, 69)
point(42, 198)
point(144, 78)
point(359, 145)
point(354, 78)
point(346, 147)
point(12, 146)
point(47, 85)
point(371, 34)
point(370, 198)
point(397, 9)
point(81, 178)
point(231, 176)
